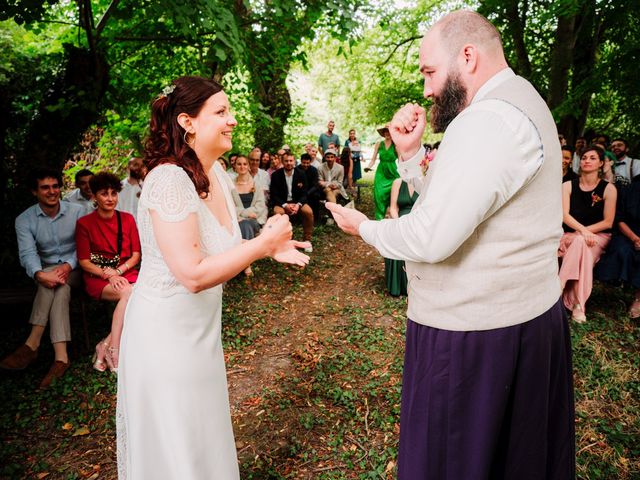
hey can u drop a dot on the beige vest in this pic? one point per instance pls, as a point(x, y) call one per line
point(506, 272)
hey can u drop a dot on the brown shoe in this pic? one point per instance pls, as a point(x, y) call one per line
point(56, 371)
point(20, 359)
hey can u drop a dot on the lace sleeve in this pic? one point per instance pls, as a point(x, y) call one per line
point(169, 191)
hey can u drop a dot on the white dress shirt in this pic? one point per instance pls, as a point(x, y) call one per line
point(75, 196)
point(289, 180)
point(473, 177)
point(129, 197)
point(626, 168)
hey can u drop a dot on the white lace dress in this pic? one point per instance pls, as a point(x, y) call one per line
point(173, 419)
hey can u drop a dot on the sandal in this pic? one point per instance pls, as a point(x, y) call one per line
point(101, 353)
point(577, 314)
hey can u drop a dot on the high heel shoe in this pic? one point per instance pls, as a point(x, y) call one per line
point(102, 349)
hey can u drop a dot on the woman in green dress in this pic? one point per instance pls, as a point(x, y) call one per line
point(403, 196)
point(386, 172)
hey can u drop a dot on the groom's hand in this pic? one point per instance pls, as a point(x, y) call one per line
point(348, 219)
point(406, 128)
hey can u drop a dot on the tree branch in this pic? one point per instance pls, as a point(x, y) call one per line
point(105, 16)
point(86, 20)
point(151, 39)
point(60, 22)
point(397, 46)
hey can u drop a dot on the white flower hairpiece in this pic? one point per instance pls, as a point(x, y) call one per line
point(168, 90)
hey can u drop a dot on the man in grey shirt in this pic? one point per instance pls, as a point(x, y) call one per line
point(329, 137)
point(82, 194)
point(47, 249)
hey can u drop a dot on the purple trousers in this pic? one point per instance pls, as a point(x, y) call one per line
point(494, 404)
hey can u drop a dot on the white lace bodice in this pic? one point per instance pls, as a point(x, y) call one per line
point(169, 192)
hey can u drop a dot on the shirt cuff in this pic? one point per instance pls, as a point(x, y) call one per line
point(72, 261)
point(367, 230)
point(33, 268)
point(412, 167)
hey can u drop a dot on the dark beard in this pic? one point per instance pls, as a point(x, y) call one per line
point(448, 104)
point(136, 174)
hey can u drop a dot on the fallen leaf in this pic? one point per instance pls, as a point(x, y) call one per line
point(42, 475)
point(67, 426)
point(81, 431)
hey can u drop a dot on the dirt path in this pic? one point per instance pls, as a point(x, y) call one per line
point(279, 415)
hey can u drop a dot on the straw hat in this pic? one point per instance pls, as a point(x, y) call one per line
point(381, 130)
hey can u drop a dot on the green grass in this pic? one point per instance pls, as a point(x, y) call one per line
point(335, 414)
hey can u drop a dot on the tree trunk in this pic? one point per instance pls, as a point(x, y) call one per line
point(589, 30)
point(67, 110)
point(560, 63)
point(516, 23)
point(274, 96)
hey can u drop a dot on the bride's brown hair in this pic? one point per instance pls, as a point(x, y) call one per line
point(166, 140)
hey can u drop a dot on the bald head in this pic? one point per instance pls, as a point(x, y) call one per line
point(464, 27)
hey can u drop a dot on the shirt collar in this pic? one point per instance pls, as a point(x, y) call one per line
point(63, 209)
point(500, 77)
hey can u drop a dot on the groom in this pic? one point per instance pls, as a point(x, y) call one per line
point(487, 386)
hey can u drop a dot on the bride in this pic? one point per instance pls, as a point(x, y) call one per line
point(173, 419)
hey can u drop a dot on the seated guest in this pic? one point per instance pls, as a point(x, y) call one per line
point(108, 250)
point(580, 145)
point(567, 157)
point(276, 164)
point(315, 160)
point(331, 177)
point(132, 187)
point(82, 195)
point(608, 172)
point(47, 251)
point(625, 167)
point(621, 261)
point(588, 205)
point(403, 196)
point(288, 195)
point(232, 161)
point(224, 164)
point(259, 175)
point(314, 191)
point(249, 199)
point(265, 161)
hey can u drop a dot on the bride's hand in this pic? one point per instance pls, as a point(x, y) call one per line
point(276, 233)
point(290, 254)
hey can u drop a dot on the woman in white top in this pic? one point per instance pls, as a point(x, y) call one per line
point(173, 416)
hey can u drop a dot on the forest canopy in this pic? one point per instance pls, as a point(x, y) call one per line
point(76, 78)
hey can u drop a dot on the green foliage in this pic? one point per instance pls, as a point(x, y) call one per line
point(598, 69)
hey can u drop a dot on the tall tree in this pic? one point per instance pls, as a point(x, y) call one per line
point(273, 33)
point(564, 47)
point(104, 35)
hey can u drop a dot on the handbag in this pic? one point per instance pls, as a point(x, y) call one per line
point(104, 261)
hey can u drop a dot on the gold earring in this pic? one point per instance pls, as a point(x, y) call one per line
point(184, 137)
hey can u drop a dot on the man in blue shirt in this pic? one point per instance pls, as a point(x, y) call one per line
point(47, 249)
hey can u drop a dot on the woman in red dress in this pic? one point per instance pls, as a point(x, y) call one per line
point(108, 249)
